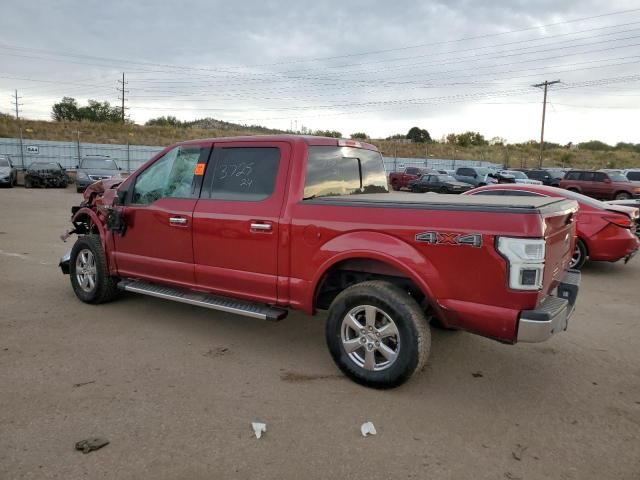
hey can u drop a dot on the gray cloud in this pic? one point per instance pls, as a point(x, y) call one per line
point(248, 61)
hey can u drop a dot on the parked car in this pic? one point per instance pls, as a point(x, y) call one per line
point(45, 174)
point(258, 225)
point(633, 203)
point(400, 180)
point(632, 174)
point(605, 232)
point(93, 169)
point(600, 185)
point(476, 176)
point(8, 173)
point(438, 183)
point(547, 176)
point(519, 177)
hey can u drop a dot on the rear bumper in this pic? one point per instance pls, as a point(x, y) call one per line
point(553, 312)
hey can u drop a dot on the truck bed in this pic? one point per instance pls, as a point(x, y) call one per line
point(438, 201)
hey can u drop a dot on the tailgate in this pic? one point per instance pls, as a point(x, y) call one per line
point(559, 234)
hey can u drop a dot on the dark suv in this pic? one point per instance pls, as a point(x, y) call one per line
point(602, 185)
point(549, 177)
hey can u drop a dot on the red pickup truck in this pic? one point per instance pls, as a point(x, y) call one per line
point(260, 225)
point(400, 180)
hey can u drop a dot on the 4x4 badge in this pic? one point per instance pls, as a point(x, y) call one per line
point(442, 238)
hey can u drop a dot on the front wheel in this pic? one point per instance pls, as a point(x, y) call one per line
point(579, 257)
point(377, 334)
point(89, 273)
point(623, 196)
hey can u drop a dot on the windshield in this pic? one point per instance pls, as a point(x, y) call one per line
point(584, 199)
point(99, 164)
point(344, 171)
point(617, 177)
point(446, 178)
point(516, 174)
point(4, 163)
point(484, 171)
point(44, 166)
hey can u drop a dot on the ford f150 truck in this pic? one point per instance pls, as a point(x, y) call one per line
point(400, 180)
point(260, 225)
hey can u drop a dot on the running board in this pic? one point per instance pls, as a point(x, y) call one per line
point(215, 302)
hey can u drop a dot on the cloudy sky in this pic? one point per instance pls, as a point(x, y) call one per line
point(375, 66)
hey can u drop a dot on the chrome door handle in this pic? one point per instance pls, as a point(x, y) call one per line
point(177, 220)
point(262, 227)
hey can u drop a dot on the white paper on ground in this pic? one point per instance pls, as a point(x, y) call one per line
point(367, 428)
point(259, 428)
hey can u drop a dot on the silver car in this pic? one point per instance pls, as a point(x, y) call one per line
point(93, 169)
point(8, 173)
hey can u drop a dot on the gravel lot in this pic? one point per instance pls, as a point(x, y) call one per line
point(175, 388)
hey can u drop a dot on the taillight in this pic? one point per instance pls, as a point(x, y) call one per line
point(619, 220)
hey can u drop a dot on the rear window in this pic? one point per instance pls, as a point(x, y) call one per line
point(344, 171)
point(99, 164)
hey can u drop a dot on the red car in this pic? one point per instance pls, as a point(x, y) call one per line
point(602, 185)
point(400, 180)
point(605, 232)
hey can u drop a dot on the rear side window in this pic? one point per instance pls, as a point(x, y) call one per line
point(572, 176)
point(587, 176)
point(344, 171)
point(466, 172)
point(243, 173)
point(599, 177)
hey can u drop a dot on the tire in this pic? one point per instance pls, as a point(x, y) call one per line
point(387, 306)
point(96, 285)
point(580, 255)
point(443, 190)
point(622, 196)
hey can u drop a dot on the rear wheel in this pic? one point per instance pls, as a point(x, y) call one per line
point(89, 273)
point(579, 257)
point(443, 190)
point(622, 196)
point(377, 334)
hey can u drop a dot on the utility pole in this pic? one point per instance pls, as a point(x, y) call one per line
point(122, 97)
point(16, 99)
point(544, 84)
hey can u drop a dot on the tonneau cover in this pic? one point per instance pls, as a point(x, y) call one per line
point(438, 201)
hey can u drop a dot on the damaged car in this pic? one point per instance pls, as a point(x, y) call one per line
point(45, 174)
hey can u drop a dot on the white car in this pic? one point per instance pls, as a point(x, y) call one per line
point(632, 174)
point(520, 177)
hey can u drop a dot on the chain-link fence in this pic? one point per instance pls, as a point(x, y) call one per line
point(23, 153)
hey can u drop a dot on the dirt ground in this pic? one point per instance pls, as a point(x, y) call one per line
point(175, 388)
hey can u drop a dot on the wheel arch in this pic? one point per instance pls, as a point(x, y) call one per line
point(370, 261)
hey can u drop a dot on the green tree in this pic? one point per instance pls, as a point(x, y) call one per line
point(418, 135)
point(359, 136)
point(328, 133)
point(65, 110)
point(94, 111)
point(168, 121)
point(595, 145)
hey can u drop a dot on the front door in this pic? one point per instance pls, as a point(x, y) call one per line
point(236, 220)
point(158, 213)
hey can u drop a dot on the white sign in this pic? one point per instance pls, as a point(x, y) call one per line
point(33, 149)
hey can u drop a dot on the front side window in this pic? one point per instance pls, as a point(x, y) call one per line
point(344, 171)
point(244, 173)
point(172, 176)
point(4, 163)
point(599, 177)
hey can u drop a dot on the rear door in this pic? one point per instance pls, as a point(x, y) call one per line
point(157, 244)
point(236, 220)
point(601, 189)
